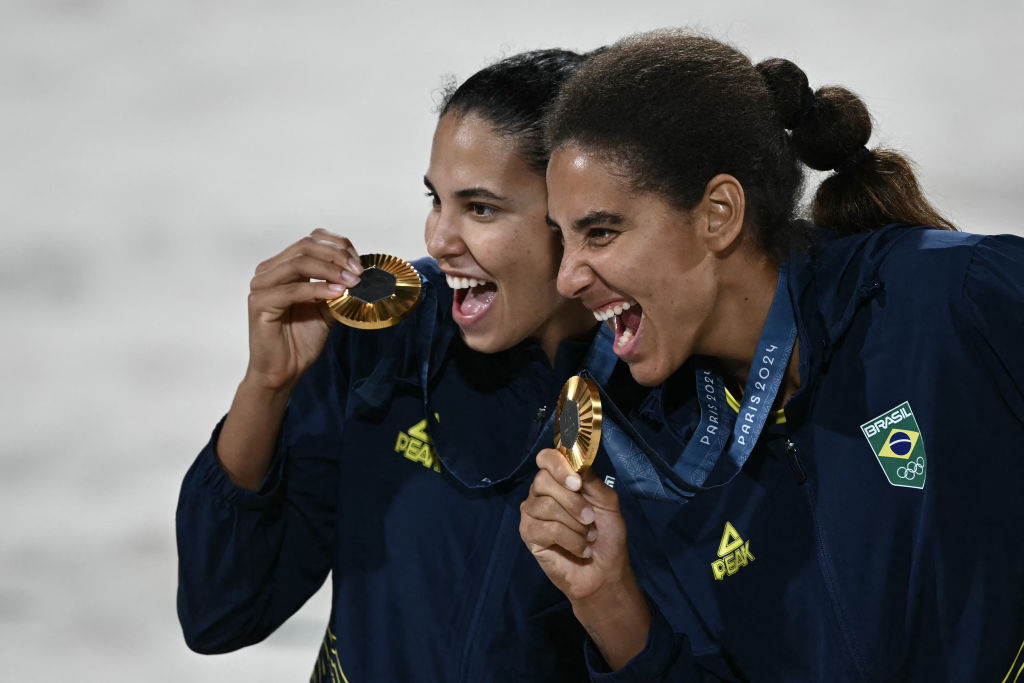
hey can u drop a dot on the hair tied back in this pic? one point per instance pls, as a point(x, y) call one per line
point(791, 95)
point(805, 108)
point(854, 161)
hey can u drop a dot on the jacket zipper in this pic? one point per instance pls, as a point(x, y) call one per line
point(794, 462)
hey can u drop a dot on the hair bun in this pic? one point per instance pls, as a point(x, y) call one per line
point(787, 85)
point(838, 126)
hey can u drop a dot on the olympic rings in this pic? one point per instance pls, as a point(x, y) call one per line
point(912, 469)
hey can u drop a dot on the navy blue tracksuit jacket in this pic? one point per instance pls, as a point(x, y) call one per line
point(402, 462)
point(875, 533)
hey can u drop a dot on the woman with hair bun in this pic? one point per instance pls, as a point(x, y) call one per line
point(840, 404)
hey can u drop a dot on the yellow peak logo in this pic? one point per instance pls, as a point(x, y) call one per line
point(416, 445)
point(733, 553)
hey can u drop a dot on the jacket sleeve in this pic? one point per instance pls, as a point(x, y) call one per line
point(994, 302)
point(666, 658)
point(248, 560)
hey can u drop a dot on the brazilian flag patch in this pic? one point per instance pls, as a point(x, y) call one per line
point(898, 445)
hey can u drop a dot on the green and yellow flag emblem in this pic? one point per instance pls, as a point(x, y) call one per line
point(896, 441)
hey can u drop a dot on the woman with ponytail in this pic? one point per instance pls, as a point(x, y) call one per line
point(825, 482)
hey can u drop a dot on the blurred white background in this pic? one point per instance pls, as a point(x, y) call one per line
point(151, 153)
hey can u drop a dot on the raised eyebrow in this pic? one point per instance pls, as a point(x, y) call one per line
point(597, 218)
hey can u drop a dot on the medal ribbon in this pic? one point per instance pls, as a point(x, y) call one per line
point(648, 474)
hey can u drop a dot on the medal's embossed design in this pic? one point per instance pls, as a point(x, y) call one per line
point(569, 422)
point(387, 291)
point(578, 422)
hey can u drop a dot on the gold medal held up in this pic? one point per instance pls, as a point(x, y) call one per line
point(388, 290)
point(578, 422)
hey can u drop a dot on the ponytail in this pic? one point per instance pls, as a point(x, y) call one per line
point(830, 129)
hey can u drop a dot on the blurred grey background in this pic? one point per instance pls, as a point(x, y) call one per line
point(152, 153)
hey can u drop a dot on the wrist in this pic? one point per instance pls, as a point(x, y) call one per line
point(612, 602)
point(618, 620)
point(250, 431)
point(258, 387)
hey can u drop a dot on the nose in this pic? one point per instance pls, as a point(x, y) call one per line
point(442, 236)
point(574, 274)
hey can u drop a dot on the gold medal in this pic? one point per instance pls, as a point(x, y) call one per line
point(388, 290)
point(578, 422)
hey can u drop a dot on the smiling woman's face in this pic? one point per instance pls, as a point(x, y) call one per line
point(488, 233)
point(634, 260)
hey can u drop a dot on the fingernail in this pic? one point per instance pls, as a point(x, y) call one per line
point(573, 482)
point(587, 552)
point(354, 264)
point(587, 515)
point(336, 288)
point(349, 279)
point(592, 535)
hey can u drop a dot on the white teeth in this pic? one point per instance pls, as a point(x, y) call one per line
point(463, 282)
point(617, 309)
point(626, 336)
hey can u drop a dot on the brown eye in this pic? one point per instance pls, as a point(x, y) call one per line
point(481, 210)
point(600, 236)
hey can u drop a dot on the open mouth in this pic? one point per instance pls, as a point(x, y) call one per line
point(626, 319)
point(473, 298)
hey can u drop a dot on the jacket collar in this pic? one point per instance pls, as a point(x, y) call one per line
point(423, 347)
point(476, 405)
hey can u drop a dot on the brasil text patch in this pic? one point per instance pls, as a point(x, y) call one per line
point(898, 445)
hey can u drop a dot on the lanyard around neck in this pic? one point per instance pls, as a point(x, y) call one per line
point(720, 432)
point(717, 423)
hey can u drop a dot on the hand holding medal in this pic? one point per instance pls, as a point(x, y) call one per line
point(578, 422)
point(572, 524)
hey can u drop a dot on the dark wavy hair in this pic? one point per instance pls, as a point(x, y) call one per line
point(672, 109)
point(514, 95)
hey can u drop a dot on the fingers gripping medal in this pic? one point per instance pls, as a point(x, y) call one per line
point(388, 290)
point(578, 422)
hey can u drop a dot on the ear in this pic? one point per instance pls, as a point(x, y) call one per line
point(723, 207)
